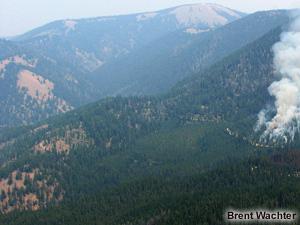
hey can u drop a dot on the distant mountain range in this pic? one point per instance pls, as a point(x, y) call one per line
point(158, 66)
point(89, 43)
point(49, 70)
point(66, 64)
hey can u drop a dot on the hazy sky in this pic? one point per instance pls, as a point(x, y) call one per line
point(19, 16)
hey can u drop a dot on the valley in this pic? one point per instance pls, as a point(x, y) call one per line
point(123, 129)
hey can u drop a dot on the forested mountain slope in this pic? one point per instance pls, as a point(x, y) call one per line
point(34, 86)
point(266, 182)
point(206, 120)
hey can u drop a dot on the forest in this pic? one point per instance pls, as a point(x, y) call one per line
point(180, 157)
point(267, 182)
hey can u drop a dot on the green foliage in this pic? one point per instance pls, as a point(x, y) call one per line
point(199, 199)
point(233, 89)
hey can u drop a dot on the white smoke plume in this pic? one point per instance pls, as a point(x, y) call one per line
point(286, 122)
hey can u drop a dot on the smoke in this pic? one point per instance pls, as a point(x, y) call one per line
point(285, 124)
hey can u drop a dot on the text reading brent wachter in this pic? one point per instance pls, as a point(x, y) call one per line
point(260, 215)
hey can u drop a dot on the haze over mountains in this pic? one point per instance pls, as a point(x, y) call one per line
point(63, 54)
point(110, 37)
point(210, 68)
point(57, 67)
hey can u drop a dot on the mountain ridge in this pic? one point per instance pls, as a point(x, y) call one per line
point(184, 56)
point(66, 60)
point(180, 12)
point(205, 120)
